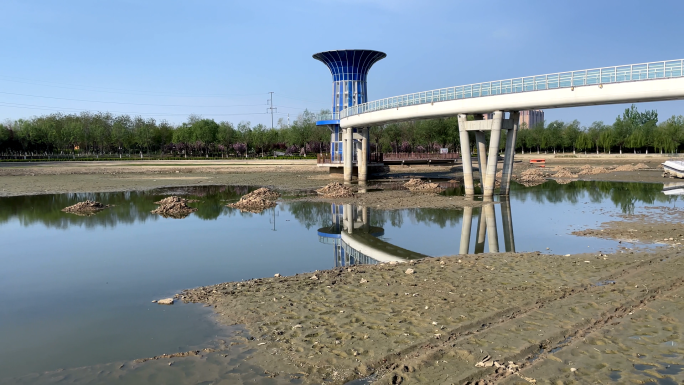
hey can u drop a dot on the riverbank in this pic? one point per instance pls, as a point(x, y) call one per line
point(555, 317)
point(56, 177)
point(433, 320)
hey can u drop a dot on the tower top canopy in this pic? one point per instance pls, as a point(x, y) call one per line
point(349, 64)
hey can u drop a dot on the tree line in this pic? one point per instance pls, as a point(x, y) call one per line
point(104, 133)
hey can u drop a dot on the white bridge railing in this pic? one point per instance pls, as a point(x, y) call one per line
point(597, 76)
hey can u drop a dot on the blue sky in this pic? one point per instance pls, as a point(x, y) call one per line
point(219, 59)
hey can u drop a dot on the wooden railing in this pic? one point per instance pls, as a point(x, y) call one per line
point(416, 155)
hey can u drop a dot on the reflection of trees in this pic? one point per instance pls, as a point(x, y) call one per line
point(624, 195)
point(128, 207)
point(310, 214)
point(131, 207)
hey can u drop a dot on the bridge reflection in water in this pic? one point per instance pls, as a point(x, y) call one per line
point(486, 227)
point(356, 241)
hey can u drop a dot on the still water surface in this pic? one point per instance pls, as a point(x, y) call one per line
point(77, 290)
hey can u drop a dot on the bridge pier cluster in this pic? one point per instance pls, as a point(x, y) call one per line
point(355, 143)
point(487, 161)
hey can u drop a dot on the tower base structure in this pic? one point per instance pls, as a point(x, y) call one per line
point(487, 161)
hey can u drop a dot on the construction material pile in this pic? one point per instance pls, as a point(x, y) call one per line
point(256, 201)
point(85, 208)
point(631, 167)
point(532, 177)
point(265, 193)
point(174, 207)
point(416, 184)
point(335, 190)
point(589, 170)
point(562, 172)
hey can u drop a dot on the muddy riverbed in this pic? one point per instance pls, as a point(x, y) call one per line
point(560, 311)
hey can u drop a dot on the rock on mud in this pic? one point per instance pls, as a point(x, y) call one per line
point(532, 177)
point(562, 172)
point(86, 207)
point(335, 190)
point(415, 184)
point(257, 201)
point(174, 207)
point(165, 301)
point(265, 193)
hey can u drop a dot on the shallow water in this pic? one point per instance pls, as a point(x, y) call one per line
point(77, 291)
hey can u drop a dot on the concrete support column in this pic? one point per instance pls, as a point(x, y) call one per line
point(493, 154)
point(507, 218)
point(465, 155)
point(362, 156)
point(348, 151)
point(466, 225)
point(492, 234)
point(349, 213)
point(509, 156)
point(481, 232)
point(481, 141)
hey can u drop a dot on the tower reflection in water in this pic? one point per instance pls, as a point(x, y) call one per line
point(356, 241)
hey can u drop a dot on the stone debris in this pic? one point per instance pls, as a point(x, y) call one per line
point(265, 193)
point(532, 177)
point(165, 301)
point(252, 204)
point(335, 190)
point(562, 172)
point(410, 271)
point(175, 355)
point(257, 201)
point(86, 207)
point(174, 199)
point(589, 170)
point(415, 184)
point(174, 207)
point(631, 167)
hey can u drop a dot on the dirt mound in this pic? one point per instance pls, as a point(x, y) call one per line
point(174, 199)
point(252, 204)
point(589, 170)
point(335, 190)
point(264, 193)
point(174, 207)
point(631, 167)
point(86, 207)
point(532, 177)
point(415, 184)
point(562, 172)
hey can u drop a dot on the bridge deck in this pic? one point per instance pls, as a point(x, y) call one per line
point(620, 84)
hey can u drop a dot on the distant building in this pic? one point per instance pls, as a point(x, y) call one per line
point(529, 117)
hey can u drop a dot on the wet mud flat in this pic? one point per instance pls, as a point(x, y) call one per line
point(62, 177)
point(436, 322)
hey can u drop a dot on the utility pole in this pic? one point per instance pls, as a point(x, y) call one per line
point(271, 109)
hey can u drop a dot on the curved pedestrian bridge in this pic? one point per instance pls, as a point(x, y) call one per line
point(630, 83)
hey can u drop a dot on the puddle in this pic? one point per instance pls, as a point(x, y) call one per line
point(642, 367)
point(615, 375)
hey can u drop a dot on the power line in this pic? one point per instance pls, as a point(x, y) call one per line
point(134, 104)
point(119, 91)
point(50, 108)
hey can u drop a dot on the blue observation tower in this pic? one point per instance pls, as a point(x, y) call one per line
point(349, 69)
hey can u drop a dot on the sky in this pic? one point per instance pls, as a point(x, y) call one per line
point(220, 59)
